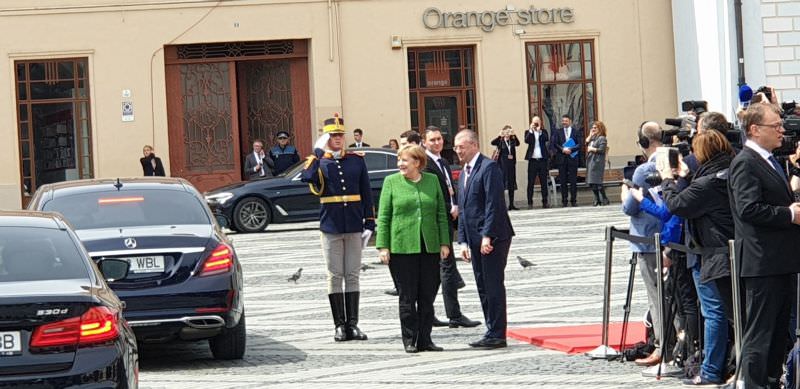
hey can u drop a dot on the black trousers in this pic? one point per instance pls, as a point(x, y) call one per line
point(490, 281)
point(451, 283)
point(417, 277)
point(568, 174)
point(768, 302)
point(537, 168)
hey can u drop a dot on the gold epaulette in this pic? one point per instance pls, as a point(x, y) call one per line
point(316, 192)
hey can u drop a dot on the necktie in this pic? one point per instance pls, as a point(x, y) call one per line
point(441, 166)
point(777, 166)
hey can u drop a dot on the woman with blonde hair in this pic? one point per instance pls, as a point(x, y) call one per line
point(596, 147)
point(413, 236)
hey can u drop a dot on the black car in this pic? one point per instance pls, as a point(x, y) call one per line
point(60, 324)
point(251, 206)
point(185, 281)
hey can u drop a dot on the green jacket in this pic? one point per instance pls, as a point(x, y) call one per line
point(405, 209)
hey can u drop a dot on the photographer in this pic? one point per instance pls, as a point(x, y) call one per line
point(646, 225)
point(507, 143)
point(705, 202)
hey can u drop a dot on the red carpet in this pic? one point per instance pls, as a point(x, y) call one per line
point(577, 339)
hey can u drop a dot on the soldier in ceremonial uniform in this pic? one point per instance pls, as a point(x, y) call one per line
point(283, 154)
point(347, 220)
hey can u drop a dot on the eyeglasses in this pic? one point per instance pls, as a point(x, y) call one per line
point(775, 126)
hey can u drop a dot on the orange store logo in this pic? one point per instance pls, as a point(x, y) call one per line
point(434, 18)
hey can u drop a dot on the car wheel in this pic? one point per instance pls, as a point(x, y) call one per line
point(251, 215)
point(230, 344)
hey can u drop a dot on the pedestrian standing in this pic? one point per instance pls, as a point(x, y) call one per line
point(347, 220)
point(596, 147)
point(283, 154)
point(413, 236)
point(151, 165)
point(484, 232)
point(507, 143)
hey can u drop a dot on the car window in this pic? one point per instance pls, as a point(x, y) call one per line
point(130, 208)
point(376, 161)
point(391, 162)
point(35, 254)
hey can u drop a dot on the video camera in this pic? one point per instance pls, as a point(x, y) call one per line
point(791, 125)
point(684, 127)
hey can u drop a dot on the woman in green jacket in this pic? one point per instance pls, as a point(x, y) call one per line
point(413, 236)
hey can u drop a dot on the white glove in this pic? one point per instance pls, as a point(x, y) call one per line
point(365, 238)
point(322, 142)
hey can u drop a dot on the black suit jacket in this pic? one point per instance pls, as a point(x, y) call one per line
point(481, 207)
point(147, 166)
point(557, 141)
point(353, 145)
point(766, 243)
point(251, 162)
point(544, 140)
point(433, 167)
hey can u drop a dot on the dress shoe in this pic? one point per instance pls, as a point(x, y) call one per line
point(512, 208)
point(604, 202)
point(489, 343)
point(430, 347)
point(573, 204)
point(411, 349)
point(545, 205)
point(530, 205)
point(391, 292)
point(463, 321)
point(651, 360)
point(439, 323)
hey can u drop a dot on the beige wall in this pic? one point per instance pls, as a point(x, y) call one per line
point(634, 62)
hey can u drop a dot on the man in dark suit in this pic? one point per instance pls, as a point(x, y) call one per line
point(254, 163)
point(448, 270)
point(358, 135)
point(766, 244)
point(538, 156)
point(484, 232)
point(566, 158)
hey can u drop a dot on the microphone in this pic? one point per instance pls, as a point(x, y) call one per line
point(745, 95)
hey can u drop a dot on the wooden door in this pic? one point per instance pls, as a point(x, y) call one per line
point(203, 123)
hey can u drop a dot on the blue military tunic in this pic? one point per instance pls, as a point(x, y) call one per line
point(284, 158)
point(344, 190)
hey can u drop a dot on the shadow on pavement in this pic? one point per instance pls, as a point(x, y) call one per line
point(197, 355)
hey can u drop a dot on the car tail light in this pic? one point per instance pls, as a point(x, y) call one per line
point(220, 261)
point(97, 325)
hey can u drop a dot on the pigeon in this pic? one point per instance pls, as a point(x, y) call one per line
point(366, 267)
point(524, 262)
point(295, 276)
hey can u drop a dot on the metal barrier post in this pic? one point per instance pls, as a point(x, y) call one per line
point(737, 308)
point(660, 289)
point(603, 351)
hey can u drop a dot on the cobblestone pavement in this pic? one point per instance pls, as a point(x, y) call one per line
point(290, 333)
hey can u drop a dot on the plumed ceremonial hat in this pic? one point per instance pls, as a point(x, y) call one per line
point(334, 125)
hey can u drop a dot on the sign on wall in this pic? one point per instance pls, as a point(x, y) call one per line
point(434, 18)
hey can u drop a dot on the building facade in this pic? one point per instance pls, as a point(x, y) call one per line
point(89, 83)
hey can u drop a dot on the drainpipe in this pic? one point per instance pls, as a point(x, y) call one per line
point(330, 30)
point(737, 12)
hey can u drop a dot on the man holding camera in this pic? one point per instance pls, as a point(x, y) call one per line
point(646, 225)
point(765, 218)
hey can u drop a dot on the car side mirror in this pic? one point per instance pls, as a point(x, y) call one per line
point(114, 269)
point(222, 221)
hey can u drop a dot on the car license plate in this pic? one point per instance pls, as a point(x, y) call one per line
point(150, 264)
point(10, 343)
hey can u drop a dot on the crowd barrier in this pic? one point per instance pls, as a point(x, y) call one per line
point(604, 351)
